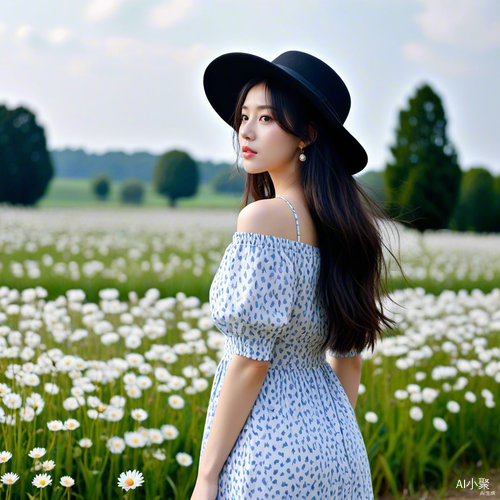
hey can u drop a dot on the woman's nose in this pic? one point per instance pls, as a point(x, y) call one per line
point(247, 134)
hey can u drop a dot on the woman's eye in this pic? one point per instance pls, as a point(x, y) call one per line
point(263, 116)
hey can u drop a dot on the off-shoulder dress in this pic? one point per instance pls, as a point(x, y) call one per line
point(301, 439)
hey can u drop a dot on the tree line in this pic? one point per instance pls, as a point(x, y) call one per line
point(422, 185)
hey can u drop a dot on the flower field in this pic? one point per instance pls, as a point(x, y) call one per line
point(108, 349)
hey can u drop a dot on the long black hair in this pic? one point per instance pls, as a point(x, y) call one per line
point(347, 221)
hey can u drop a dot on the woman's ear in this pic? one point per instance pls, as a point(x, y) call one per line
point(312, 132)
point(311, 135)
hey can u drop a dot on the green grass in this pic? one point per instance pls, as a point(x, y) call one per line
point(66, 192)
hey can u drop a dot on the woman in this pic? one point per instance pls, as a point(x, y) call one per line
point(300, 278)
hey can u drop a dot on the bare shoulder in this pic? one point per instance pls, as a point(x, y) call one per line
point(269, 217)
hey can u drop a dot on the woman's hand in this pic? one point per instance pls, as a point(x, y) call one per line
point(205, 488)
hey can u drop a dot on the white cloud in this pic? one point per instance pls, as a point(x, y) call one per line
point(467, 23)
point(423, 55)
point(132, 48)
point(197, 52)
point(23, 32)
point(60, 39)
point(171, 12)
point(79, 67)
point(98, 10)
point(58, 36)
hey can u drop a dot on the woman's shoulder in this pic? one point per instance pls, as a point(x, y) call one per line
point(267, 217)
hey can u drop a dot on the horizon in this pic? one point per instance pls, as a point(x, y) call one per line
point(126, 75)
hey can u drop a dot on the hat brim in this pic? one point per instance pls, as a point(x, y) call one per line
point(225, 76)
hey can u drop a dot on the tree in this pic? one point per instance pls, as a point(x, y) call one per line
point(424, 176)
point(132, 191)
point(25, 164)
point(101, 186)
point(496, 210)
point(176, 176)
point(477, 203)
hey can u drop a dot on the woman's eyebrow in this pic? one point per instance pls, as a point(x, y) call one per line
point(259, 107)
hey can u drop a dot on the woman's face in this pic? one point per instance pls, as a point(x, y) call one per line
point(275, 148)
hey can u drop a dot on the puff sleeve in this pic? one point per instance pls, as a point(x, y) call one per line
point(253, 295)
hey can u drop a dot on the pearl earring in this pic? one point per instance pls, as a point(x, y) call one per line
point(302, 156)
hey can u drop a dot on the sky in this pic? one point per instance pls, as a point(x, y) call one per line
point(109, 75)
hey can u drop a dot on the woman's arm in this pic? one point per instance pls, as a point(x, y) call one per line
point(348, 371)
point(240, 388)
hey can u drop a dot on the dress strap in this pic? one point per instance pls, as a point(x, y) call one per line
point(295, 215)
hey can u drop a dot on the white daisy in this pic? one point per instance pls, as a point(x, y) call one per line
point(51, 388)
point(156, 436)
point(114, 414)
point(134, 439)
point(139, 414)
point(12, 401)
point(371, 417)
point(176, 402)
point(5, 456)
point(440, 424)
point(71, 403)
point(67, 481)
point(184, 459)
point(169, 431)
point(130, 480)
point(453, 406)
point(71, 424)
point(37, 452)
point(116, 445)
point(48, 465)
point(416, 413)
point(41, 480)
point(159, 455)
point(133, 391)
point(9, 478)
point(118, 401)
point(4, 389)
point(85, 443)
point(27, 414)
point(55, 425)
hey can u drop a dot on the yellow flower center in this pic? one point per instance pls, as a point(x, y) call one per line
point(42, 482)
point(129, 481)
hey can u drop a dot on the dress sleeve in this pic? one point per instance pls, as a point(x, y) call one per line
point(254, 298)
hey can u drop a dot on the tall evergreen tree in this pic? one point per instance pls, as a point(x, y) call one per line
point(176, 176)
point(424, 178)
point(496, 210)
point(476, 207)
point(25, 164)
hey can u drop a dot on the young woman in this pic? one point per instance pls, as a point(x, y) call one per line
point(301, 279)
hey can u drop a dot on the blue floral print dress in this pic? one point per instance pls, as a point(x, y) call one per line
point(301, 439)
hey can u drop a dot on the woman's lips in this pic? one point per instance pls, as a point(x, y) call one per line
point(248, 154)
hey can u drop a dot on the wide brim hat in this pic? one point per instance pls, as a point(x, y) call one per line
point(226, 75)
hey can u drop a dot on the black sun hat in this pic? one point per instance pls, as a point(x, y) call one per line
point(225, 76)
